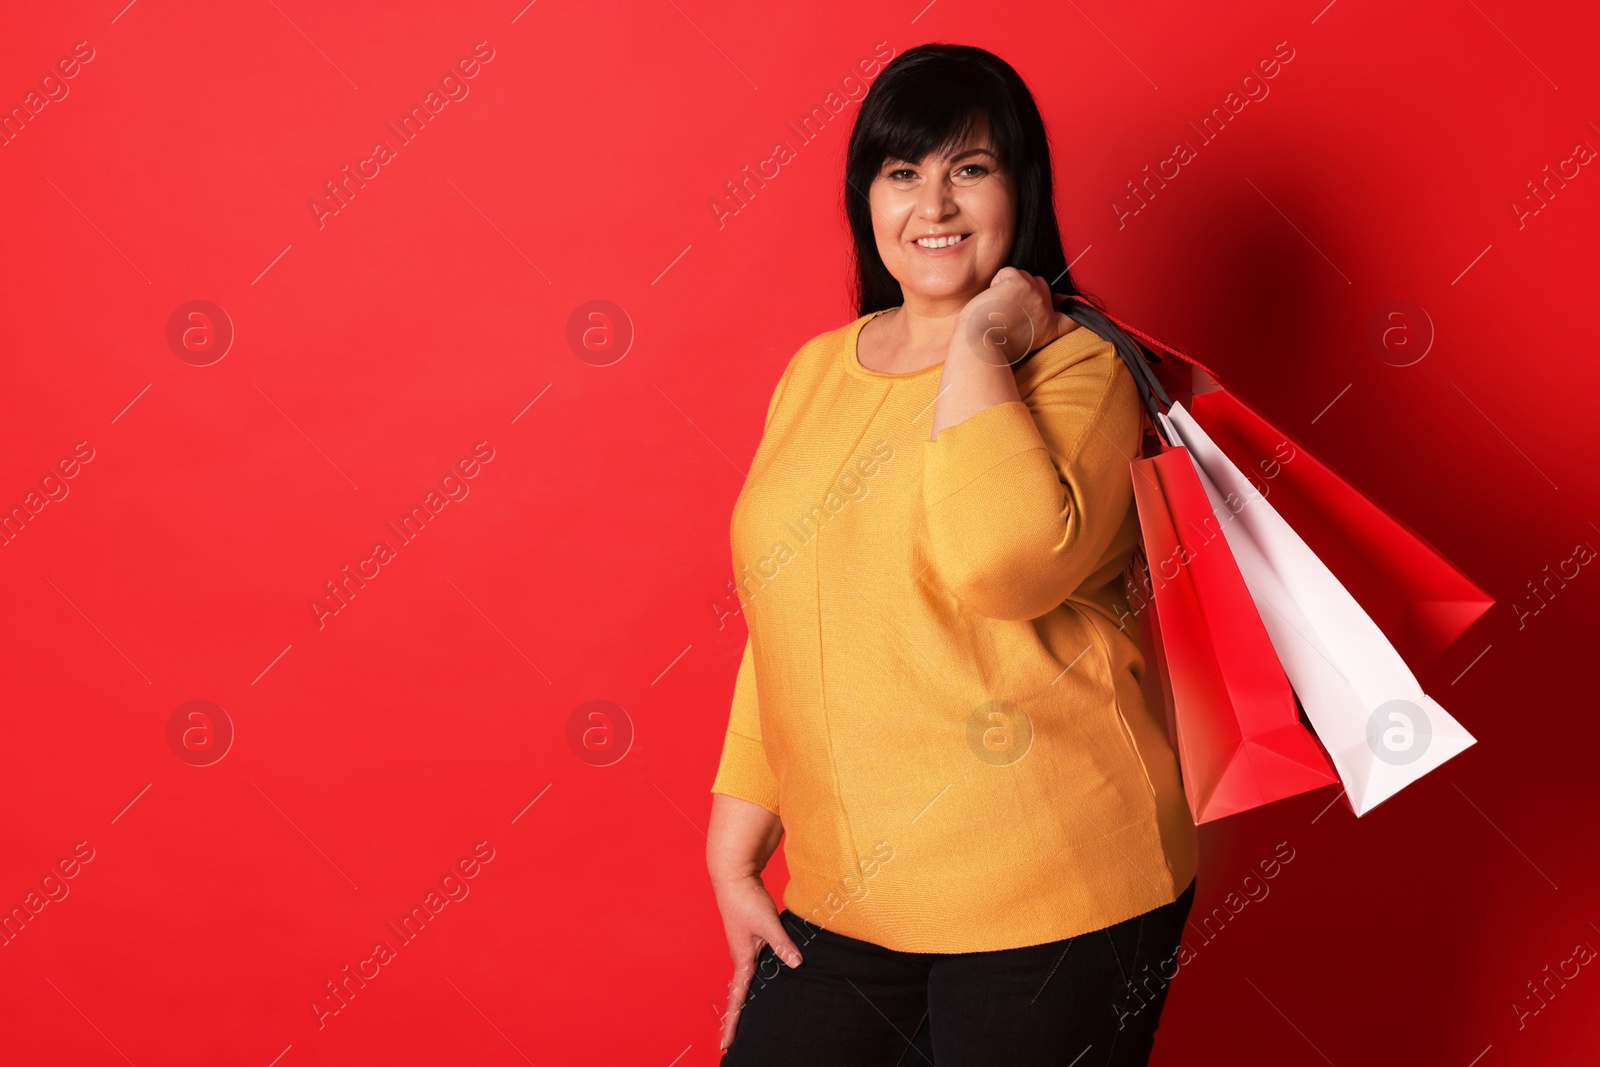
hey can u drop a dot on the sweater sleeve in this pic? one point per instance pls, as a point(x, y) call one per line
point(1024, 498)
point(743, 771)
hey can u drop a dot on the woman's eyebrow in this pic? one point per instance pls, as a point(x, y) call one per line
point(959, 156)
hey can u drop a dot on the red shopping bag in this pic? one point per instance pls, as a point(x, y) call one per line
point(1420, 601)
point(1240, 741)
point(1416, 597)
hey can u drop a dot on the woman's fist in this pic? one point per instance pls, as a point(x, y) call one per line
point(1014, 316)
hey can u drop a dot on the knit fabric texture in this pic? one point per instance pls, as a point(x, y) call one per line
point(940, 692)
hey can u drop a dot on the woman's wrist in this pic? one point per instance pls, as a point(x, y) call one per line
point(740, 840)
point(727, 875)
point(976, 376)
point(726, 870)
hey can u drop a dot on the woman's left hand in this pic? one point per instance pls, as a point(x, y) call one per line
point(1014, 316)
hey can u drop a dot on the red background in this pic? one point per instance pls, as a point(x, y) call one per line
point(590, 559)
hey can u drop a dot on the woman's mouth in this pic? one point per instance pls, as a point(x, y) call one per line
point(941, 242)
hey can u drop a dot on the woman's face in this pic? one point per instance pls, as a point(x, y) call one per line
point(965, 194)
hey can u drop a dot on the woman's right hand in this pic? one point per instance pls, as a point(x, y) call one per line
point(750, 920)
point(1015, 315)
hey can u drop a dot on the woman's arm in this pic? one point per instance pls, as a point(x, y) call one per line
point(744, 832)
point(739, 842)
point(979, 370)
point(742, 838)
point(743, 771)
point(1024, 498)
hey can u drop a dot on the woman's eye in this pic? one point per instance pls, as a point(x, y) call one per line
point(966, 171)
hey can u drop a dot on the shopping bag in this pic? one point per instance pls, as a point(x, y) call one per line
point(1417, 598)
point(1382, 731)
point(1240, 740)
point(1420, 601)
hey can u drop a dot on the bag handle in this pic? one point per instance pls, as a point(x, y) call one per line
point(1112, 329)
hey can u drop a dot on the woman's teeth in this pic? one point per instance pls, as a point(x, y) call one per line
point(941, 242)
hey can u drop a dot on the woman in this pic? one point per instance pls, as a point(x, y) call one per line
point(938, 707)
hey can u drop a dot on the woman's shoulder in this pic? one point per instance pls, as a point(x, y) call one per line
point(823, 349)
point(1080, 345)
point(1081, 364)
point(834, 339)
point(812, 360)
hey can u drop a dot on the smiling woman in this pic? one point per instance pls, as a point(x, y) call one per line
point(918, 679)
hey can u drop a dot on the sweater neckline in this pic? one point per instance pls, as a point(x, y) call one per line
point(853, 355)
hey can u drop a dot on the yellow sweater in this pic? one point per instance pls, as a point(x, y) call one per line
point(940, 692)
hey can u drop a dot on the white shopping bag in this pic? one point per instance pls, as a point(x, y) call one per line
point(1381, 731)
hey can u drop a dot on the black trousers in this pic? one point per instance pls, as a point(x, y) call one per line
point(1089, 1001)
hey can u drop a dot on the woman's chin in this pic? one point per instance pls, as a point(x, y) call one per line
point(940, 287)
